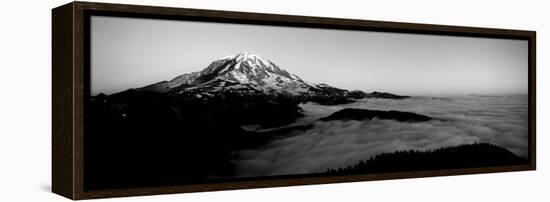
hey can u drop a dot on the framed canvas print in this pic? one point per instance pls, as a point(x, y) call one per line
point(155, 100)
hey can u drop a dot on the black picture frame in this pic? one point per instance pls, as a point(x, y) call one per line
point(71, 79)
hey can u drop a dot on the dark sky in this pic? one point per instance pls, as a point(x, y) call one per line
point(130, 53)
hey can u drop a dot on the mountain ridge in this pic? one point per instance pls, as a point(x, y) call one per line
point(248, 73)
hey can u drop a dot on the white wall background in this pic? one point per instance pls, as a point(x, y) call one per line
point(25, 101)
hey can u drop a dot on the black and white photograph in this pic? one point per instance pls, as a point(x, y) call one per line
point(175, 102)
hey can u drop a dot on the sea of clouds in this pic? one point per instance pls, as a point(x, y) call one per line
point(501, 120)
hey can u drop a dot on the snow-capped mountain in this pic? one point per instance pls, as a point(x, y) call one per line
point(241, 71)
point(246, 73)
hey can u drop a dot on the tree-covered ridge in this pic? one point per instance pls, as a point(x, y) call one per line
point(461, 156)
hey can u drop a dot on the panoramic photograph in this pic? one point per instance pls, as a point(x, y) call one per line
point(188, 102)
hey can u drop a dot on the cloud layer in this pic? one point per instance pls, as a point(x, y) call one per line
point(497, 120)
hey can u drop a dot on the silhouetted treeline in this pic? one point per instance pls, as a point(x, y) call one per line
point(462, 156)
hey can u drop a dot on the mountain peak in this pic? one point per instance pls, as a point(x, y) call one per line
point(246, 73)
point(241, 56)
point(245, 54)
point(242, 70)
point(250, 58)
point(244, 67)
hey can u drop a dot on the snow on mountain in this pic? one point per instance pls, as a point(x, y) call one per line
point(248, 74)
point(243, 71)
point(183, 79)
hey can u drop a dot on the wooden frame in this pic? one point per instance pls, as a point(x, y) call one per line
point(69, 33)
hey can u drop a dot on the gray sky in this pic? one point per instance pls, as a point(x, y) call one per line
point(129, 53)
